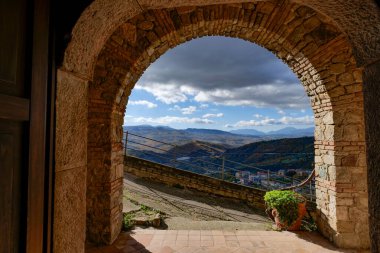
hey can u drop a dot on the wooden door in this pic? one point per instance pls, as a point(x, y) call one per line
point(24, 71)
point(14, 117)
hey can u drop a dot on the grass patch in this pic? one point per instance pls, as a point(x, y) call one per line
point(128, 218)
point(127, 221)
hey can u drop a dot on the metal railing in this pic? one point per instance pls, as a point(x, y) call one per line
point(215, 164)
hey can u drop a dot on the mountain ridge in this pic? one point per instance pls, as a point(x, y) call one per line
point(190, 134)
point(182, 136)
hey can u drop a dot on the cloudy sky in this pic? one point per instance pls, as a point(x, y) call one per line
point(219, 83)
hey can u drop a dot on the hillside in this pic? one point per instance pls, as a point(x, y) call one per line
point(180, 137)
point(274, 155)
point(197, 149)
point(290, 153)
point(234, 138)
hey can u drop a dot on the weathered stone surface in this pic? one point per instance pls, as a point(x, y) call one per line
point(124, 42)
point(71, 121)
point(93, 28)
point(359, 19)
point(371, 77)
point(158, 4)
point(154, 221)
point(70, 210)
point(145, 25)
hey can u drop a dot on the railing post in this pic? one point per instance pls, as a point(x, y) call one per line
point(311, 191)
point(223, 161)
point(125, 143)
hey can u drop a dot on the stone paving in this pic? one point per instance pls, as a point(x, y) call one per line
point(218, 241)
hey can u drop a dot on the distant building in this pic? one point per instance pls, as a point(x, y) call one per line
point(243, 181)
point(242, 174)
point(245, 174)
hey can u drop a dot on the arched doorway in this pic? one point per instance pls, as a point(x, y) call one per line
point(95, 82)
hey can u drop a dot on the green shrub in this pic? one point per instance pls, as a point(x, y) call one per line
point(127, 221)
point(286, 204)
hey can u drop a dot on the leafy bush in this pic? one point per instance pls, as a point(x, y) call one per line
point(286, 204)
point(127, 221)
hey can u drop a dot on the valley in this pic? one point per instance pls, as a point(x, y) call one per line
point(237, 158)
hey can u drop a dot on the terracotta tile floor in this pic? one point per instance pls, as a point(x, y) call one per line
point(213, 241)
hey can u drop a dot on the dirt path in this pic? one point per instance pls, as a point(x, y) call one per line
point(188, 209)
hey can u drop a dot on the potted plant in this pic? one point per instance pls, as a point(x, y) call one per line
point(286, 208)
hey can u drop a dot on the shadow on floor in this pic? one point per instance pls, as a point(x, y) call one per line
point(125, 243)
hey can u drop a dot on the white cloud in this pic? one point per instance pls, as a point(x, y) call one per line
point(212, 115)
point(188, 110)
point(281, 112)
point(277, 95)
point(185, 110)
point(167, 93)
point(203, 106)
point(281, 96)
point(146, 103)
point(258, 115)
point(306, 120)
point(168, 120)
point(211, 72)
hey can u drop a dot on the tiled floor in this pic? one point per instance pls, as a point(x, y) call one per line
point(216, 241)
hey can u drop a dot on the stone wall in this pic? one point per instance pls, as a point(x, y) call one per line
point(176, 177)
point(311, 46)
point(115, 41)
point(372, 115)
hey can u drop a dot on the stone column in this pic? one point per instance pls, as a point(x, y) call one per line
point(371, 87)
point(71, 163)
point(105, 170)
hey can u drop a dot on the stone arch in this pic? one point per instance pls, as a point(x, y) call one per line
point(101, 18)
point(318, 52)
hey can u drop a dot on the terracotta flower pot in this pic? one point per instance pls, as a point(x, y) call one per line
point(297, 224)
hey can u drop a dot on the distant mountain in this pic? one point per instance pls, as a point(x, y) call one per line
point(291, 131)
point(281, 133)
point(180, 137)
point(273, 155)
point(248, 132)
point(208, 131)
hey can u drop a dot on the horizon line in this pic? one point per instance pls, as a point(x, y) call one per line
point(220, 129)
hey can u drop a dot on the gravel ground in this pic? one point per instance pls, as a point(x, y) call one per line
point(189, 209)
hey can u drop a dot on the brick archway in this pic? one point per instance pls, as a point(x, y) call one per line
point(100, 83)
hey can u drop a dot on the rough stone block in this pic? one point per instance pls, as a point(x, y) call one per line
point(70, 211)
point(71, 123)
point(347, 240)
